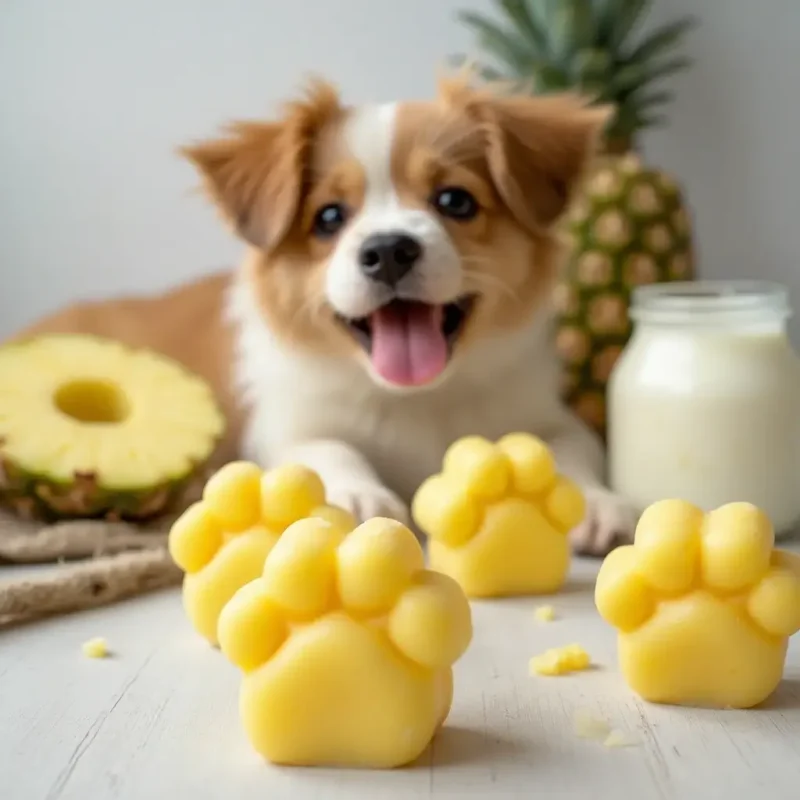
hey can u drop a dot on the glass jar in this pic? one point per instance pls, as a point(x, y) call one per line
point(704, 403)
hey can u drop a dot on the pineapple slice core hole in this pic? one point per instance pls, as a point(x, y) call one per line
point(92, 401)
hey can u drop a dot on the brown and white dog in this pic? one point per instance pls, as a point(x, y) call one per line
point(395, 291)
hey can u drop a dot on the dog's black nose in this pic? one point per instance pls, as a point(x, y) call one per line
point(387, 257)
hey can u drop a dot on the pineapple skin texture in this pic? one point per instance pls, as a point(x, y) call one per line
point(628, 227)
point(32, 491)
point(33, 495)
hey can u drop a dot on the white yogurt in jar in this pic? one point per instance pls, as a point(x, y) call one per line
point(704, 404)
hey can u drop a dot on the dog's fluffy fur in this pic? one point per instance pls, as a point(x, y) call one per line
point(292, 321)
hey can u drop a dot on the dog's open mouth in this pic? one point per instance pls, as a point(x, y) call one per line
point(409, 342)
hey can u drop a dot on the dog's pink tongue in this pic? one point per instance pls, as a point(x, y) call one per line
point(408, 346)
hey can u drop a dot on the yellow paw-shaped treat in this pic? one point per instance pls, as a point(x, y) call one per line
point(222, 540)
point(347, 646)
point(703, 604)
point(498, 516)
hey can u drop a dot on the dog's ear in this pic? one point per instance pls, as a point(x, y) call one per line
point(253, 176)
point(538, 149)
point(255, 172)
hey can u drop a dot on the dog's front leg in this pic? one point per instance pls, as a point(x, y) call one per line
point(609, 520)
point(350, 481)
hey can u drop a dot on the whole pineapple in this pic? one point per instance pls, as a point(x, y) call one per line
point(630, 224)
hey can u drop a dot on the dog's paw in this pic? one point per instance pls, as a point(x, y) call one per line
point(347, 645)
point(367, 499)
point(498, 516)
point(703, 604)
point(222, 540)
point(609, 521)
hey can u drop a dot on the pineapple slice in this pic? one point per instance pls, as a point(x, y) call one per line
point(89, 427)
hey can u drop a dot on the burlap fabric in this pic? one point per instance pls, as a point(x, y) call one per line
point(83, 563)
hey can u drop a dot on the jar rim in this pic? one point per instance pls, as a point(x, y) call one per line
point(710, 302)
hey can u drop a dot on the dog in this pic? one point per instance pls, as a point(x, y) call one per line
point(395, 293)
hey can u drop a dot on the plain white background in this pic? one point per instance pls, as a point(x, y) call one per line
point(96, 95)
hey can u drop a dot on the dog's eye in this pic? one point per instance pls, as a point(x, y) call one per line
point(329, 220)
point(456, 203)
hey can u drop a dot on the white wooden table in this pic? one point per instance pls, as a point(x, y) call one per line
point(159, 720)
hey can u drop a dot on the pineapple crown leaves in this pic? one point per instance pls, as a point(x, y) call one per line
point(590, 46)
